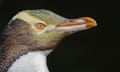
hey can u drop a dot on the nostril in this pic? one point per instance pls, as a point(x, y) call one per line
point(67, 20)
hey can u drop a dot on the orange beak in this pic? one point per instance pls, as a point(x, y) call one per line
point(87, 21)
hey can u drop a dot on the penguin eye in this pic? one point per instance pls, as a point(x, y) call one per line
point(40, 26)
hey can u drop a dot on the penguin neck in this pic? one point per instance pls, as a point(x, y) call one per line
point(31, 62)
point(16, 41)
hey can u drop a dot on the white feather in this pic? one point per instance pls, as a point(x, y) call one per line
point(31, 62)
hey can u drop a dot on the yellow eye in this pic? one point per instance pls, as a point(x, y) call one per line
point(40, 26)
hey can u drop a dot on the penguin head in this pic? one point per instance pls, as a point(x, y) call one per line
point(49, 28)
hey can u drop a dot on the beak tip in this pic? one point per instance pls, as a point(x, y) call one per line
point(91, 25)
point(91, 22)
point(89, 19)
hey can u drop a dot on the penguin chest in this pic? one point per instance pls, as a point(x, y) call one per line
point(30, 62)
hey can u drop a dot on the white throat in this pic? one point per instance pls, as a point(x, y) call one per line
point(31, 62)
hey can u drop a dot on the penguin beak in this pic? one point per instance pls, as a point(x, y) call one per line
point(78, 24)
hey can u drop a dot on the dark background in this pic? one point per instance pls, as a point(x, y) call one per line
point(86, 51)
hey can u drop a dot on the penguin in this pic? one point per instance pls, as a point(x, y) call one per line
point(31, 35)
